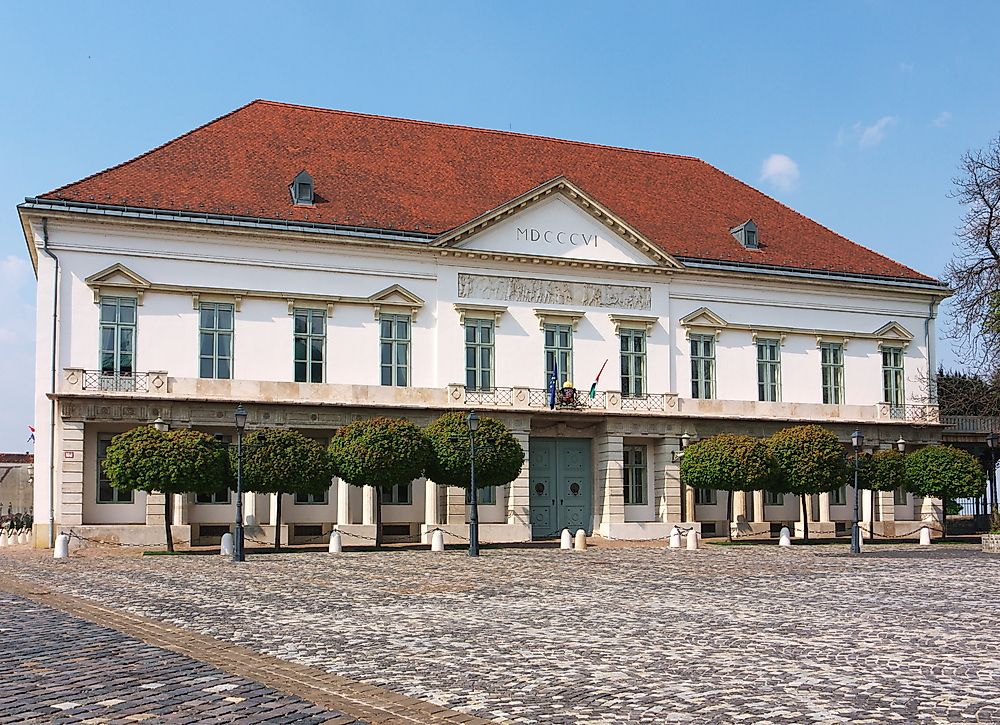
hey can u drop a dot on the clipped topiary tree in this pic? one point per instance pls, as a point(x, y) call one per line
point(499, 457)
point(809, 459)
point(946, 473)
point(380, 452)
point(883, 470)
point(283, 461)
point(176, 461)
point(729, 463)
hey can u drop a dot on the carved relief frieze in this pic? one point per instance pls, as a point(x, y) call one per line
point(554, 292)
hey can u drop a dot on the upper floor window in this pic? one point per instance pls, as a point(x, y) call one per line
point(558, 352)
point(479, 354)
point(768, 370)
point(635, 475)
point(106, 493)
point(703, 366)
point(400, 494)
point(309, 345)
point(633, 362)
point(892, 376)
point(395, 349)
point(832, 372)
point(117, 335)
point(216, 340)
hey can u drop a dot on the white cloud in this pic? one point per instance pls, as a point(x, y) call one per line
point(17, 361)
point(780, 171)
point(865, 136)
point(941, 120)
point(905, 67)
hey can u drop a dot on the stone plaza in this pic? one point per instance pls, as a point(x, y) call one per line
point(727, 634)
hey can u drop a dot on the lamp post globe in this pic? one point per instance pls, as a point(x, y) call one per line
point(472, 423)
point(901, 445)
point(240, 417)
point(857, 442)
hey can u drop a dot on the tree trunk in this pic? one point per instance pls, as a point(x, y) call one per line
point(378, 518)
point(167, 516)
point(944, 519)
point(277, 524)
point(871, 516)
point(729, 515)
point(805, 517)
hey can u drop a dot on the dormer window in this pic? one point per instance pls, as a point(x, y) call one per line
point(301, 188)
point(746, 234)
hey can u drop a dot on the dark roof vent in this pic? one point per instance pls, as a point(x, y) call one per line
point(301, 188)
point(746, 234)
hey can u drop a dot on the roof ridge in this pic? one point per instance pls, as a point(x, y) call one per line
point(152, 150)
point(439, 124)
point(813, 221)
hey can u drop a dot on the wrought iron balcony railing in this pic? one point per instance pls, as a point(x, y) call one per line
point(109, 381)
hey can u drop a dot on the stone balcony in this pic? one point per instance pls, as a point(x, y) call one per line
point(77, 382)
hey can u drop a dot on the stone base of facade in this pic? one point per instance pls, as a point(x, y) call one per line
point(642, 530)
point(817, 530)
point(898, 529)
point(123, 534)
point(751, 529)
point(488, 533)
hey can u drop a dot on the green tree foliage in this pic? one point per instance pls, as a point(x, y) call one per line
point(809, 459)
point(882, 471)
point(499, 457)
point(177, 461)
point(946, 473)
point(730, 463)
point(380, 452)
point(279, 460)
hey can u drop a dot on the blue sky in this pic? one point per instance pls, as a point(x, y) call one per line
point(854, 113)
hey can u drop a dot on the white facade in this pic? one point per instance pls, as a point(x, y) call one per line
point(550, 261)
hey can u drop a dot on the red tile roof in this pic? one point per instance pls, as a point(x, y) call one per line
point(404, 175)
point(17, 458)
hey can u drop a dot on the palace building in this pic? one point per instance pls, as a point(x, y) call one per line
point(321, 267)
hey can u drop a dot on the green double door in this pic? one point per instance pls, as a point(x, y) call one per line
point(560, 483)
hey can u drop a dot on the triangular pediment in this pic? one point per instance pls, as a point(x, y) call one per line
point(118, 275)
point(396, 295)
point(557, 219)
point(703, 317)
point(893, 331)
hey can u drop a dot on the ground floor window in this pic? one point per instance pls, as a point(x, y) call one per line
point(899, 496)
point(838, 496)
point(106, 493)
point(309, 499)
point(221, 496)
point(635, 475)
point(400, 495)
point(487, 495)
point(705, 496)
point(775, 498)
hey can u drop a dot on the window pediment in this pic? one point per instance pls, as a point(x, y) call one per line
point(115, 280)
point(396, 298)
point(558, 317)
point(634, 322)
point(484, 312)
point(703, 320)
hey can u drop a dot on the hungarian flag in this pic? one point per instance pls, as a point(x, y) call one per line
point(593, 387)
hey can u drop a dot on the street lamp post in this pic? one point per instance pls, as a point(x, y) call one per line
point(992, 445)
point(241, 424)
point(857, 441)
point(472, 423)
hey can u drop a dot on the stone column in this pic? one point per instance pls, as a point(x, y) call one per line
point(739, 504)
point(690, 512)
point(456, 505)
point(609, 495)
point(518, 491)
point(430, 503)
point(758, 506)
point(69, 469)
point(369, 502)
point(886, 506)
point(154, 510)
point(824, 507)
point(272, 508)
point(250, 507)
point(182, 504)
point(343, 503)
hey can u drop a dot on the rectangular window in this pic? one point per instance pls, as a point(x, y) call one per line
point(769, 370)
point(401, 495)
point(479, 355)
point(117, 336)
point(633, 362)
point(774, 498)
point(838, 496)
point(899, 496)
point(635, 475)
point(106, 493)
point(487, 495)
point(395, 349)
point(832, 366)
point(892, 376)
point(309, 345)
point(703, 366)
point(311, 499)
point(558, 349)
point(216, 340)
point(706, 496)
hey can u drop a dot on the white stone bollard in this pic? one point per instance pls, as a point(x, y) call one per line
point(437, 540)
point(925, 536)
point(336, 543)
point(251, 521)
point(692, 540)
point(22, 537)
point(226, 548)
point(580, 544)
point(3, 539)
point(62, 547)
point(675, 538)
point(566, 540)
point(785, 538)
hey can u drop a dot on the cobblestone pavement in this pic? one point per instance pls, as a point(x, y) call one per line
point(738, 634)
point(58, 668)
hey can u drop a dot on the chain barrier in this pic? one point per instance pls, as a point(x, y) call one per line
point(682, 529)
point(124, 544)
point(870, 534)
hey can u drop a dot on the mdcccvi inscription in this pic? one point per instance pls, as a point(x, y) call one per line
point(554, 292)
point(530, 234)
